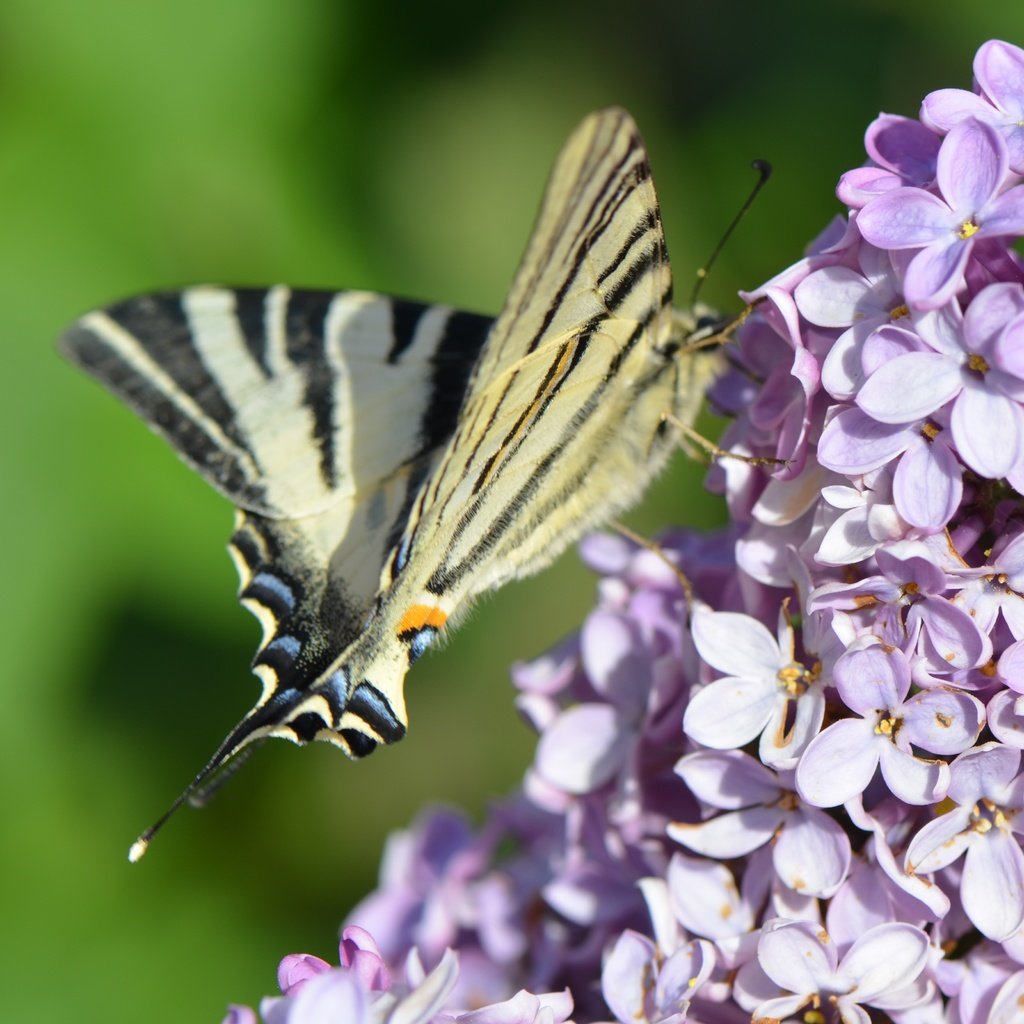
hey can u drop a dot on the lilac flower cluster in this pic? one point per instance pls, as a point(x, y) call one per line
point(798, 796)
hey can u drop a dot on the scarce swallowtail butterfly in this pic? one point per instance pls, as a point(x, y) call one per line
point(391, 460)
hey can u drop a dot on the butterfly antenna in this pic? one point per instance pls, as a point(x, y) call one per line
point(764, 170)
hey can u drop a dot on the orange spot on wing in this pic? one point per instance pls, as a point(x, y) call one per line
point(420, 615)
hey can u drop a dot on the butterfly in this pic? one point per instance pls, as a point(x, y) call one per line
point(391, 460)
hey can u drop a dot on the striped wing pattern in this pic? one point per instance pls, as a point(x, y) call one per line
point(391, 460)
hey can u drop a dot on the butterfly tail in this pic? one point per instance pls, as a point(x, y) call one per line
point(233, 752)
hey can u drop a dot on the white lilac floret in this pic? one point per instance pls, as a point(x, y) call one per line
point(797, 795)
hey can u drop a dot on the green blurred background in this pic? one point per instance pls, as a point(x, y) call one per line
point(319, 143)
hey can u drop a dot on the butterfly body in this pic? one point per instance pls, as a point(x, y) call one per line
point(391, 460)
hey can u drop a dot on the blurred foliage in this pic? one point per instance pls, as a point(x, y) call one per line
point(320, 142)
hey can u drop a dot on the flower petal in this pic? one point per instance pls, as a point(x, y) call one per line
point(728, 779)
point(939, 843)
point(936, 273)
point(910, 387)
point(729, 835)
point(872, 679)
point(928, 484)
point(905, 219)
point(838, 763)
point(729, 712)
point(853, 442)
point(582, 749)
point(1008, 1002)
point(736, 644)
point(988, 429)
point(914, 780)
point(681, 976)
point(705, 898)
point(983, 771)
point(330, 997)
point(942, 720)
point(832, 296)
point(625, 978)
point(797, 956)
point(992, 887)
point(885, 959)
point(1004, 215)
point(812, 853)
point(1005, 720)
point(971, 166)
point(947, 107)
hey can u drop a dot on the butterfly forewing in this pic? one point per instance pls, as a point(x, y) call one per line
point(562, 426)
point(392, 460)
point(597, 250)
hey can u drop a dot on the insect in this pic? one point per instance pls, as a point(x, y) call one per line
point(391, 460)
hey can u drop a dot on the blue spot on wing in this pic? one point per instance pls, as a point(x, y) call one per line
point(271, 591)
point(402, 555)
point(420, 641)
point(373, 708)
point(280, 654)
point(287, 644)
point(335, 689)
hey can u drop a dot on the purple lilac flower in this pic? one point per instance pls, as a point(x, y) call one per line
point(810, 851)
point(641, 986)
point(902, 152)
point(962, 368)
point(764, 683)
point(989, 795)
point(874, 683)
point(859, 303)
point(971, 171)
point(360, 991)
point(881, 969)
point(782, 797)
point(999, 72)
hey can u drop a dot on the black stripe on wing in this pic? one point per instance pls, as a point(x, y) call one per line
point(507, 511)
point(207, 438)
point(160, 325)
point(150, 353)
point(251, 310)
point(305, 329)
point(451, 368)
point(312, 617)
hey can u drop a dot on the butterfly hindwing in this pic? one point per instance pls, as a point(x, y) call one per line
point(392, 460)
point(318, 413)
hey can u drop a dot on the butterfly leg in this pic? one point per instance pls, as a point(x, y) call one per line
point(656, 549)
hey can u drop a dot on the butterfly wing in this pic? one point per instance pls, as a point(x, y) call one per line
point(597, 251)
point(563, 423)
point(317, 413)
point(390, 460)
point(285, 399)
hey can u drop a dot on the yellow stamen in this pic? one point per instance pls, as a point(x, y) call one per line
point(977, 363)
point(793, 679)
